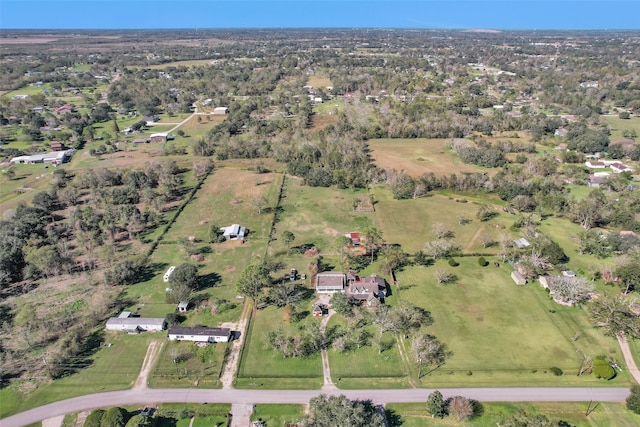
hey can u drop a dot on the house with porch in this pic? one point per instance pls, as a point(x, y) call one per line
point(356, 288)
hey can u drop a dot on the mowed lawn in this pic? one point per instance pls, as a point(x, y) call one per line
point(619, 125)
point(259, 361)
point(410, 223)
point(503, 334)
point(119, 360)
point(495, 413)
point(418, 156)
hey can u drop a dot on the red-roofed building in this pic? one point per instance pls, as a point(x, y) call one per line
point(354, 237)
point(64, 109)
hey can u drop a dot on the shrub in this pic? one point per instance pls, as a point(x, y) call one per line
point(633, 400)
point(94, 418)
point(556, 371)
point(482, 262)
point(453, 262)
point(602, 369)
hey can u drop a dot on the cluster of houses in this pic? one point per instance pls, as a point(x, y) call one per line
point(598, 178)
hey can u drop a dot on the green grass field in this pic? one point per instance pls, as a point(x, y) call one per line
point(618, 125)
point(278, 415)
point(605, 414)
point(200, 369)
point(261, 364)
point(500, 333)
point(114, 367)
point(409, 223)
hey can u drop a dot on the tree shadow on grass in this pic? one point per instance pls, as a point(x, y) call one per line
point(210, 280)
point(393, 419)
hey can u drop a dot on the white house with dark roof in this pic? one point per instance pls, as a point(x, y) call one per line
point(361, 289)
point(199, 334)
point(125, 322)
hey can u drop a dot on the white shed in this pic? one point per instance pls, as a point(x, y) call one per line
point(234, 232)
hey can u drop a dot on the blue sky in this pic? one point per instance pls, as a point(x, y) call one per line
point(438, 14)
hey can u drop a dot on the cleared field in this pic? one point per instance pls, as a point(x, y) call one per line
point(199, 366)
point(27, 182)
point(260, 363)
point(120, 362)
point(618, 125)
point(319, 81)
point(409, 223)
point(500, 333)
point(318, 215)
point(278, 415)
point(495, 413)
point(419, 156)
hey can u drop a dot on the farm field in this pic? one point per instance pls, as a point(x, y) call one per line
point(500, 333)
point(605, 414)
point(419, 156)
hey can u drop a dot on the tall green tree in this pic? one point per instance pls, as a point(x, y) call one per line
point(253, 280)
point(373, 238)
point(287, 237)
point(436, 405)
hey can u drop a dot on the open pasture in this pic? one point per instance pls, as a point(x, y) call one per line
point(501, 333)
point(419, 156)
point(317, 216)
point(410, 223)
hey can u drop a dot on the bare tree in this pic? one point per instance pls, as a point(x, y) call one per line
point(441, 231)
point(444, 276)
point(570, 290)
point(486, 239)
point(440, 248)
point(615, 315)
point(428, 350)
point(461, 407)
point(259, 203)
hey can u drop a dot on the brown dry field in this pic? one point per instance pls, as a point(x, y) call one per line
point(419, 156)
point(319, 81)
point(321, 121)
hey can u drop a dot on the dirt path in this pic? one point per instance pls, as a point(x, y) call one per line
point(326, 370)
point(474, 238)
point(628, 357)
point(149, 361)
point(405, 360)
point(233, 359)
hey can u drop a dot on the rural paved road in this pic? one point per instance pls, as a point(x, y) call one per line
point(152, 396)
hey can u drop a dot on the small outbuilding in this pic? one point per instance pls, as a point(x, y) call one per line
point(518, 278)
point(183, 306)
point(234, 232)
point(159, 137)
point(221, 111)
